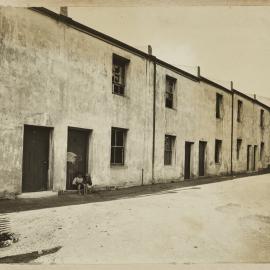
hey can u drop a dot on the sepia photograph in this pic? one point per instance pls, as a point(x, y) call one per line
point(134, 132)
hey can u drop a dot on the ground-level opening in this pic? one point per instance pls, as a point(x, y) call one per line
point(202, 157)
point(188, 159)
point(36, 147)
point(248, 157)
point(77, 154)
point(255, 157)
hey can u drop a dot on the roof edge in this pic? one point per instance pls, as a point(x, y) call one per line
point(90, 31)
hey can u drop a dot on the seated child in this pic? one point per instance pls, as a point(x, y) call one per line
point(78, 182)
point(87, 185)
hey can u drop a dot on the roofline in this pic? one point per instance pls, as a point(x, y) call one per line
point(177, 70)
point(203, 79)
point(251, 99)
point(92, 32)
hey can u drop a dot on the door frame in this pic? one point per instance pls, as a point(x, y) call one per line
point(191, 156)
point(249, 154)
point(50, 156)
point(205, 158)
point(88, 149)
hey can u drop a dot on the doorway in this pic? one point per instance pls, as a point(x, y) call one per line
point(255, 157)
point(188, 155)
point(77, 154)
point(202, 150)
point(36, 143)
point(248, 157)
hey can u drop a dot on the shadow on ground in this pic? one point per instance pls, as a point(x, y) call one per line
point(16, 205)
point(28, 257)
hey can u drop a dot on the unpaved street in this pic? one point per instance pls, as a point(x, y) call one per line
point(221, 222)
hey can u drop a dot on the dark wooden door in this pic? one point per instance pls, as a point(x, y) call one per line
point(248, 157)
point(187, 159)
point(35, 158)
point(77, 154)
point(254, 157)
point(202, 147)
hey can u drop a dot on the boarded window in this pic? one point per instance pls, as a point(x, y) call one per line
point(118, 138)
point(170, 92)
point(262, 151)
point(219, 100)
point(239, 110)
point(218, 146)
point(238, 148)
point(262, 118)
point(118, 74)
point(169, 149)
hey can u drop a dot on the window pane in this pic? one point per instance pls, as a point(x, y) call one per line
point(168, 158)
point(119, 155)
point(168, 143)
point(113, 137)
point(119, 138)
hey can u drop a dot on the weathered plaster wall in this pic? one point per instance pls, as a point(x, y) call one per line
point(55, 76)
point(192, 120)
point(251, 133)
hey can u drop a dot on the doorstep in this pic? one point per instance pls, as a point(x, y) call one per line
point(39, 194)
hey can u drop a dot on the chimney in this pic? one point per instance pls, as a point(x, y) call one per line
point(198, 71)
point(149, 49)
point(231, 85)
point(64, 11)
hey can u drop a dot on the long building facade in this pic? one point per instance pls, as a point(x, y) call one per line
point(74, 100)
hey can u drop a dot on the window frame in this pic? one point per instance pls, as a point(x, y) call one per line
point(115, 146)
point(218, 151)
point(239, 110)
point(262, 118)
point(122, 63)
point(169, 92)
point(219, 103)
point(238, 148)
point(169, 152)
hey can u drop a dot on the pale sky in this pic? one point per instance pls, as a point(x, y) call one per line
point(229, 43)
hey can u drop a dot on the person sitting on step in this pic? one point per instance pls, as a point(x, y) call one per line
point(78, 182)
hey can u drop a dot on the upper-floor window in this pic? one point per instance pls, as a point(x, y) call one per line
point(239, 110)
point(219, 102)
point(170, 92)
point(218, 145)
point(118, 142)
point(262, 118)
point(238, 148)
point(119, 65)
point(169, 149)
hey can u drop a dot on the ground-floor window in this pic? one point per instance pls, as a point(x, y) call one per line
point(169, 149)
point(238, 148)
point(118, 141)
point(218, 146)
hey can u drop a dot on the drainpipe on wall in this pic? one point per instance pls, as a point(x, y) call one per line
point(153, 58)
point(232, 128)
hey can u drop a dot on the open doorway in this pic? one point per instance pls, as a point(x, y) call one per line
point(188, 159)
point(248, 157)
point(77, 154)
point(202, 157)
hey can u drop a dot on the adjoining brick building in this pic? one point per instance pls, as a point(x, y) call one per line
point(76, 100)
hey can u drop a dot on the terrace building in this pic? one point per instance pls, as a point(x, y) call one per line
point(76, 100)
